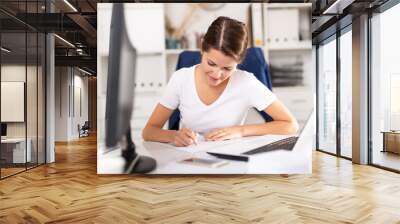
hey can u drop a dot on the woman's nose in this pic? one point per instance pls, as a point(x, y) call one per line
point(217, 73)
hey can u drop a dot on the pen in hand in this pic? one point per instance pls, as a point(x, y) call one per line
point(195, 137)
point(191, 134)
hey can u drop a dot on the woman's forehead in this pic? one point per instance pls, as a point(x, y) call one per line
point(220, 58)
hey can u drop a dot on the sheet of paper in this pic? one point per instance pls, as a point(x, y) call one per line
point(245, 143)
point(203, 145)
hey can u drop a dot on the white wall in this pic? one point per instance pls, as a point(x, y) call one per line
point(80, 83)
point(68, 81)
point(61, 83)
point(33, 126)
point(12, 73)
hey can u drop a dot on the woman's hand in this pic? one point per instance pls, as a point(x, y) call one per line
point(224, 133)
point(184, 137)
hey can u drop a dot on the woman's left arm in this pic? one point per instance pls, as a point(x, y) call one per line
point(283, 123)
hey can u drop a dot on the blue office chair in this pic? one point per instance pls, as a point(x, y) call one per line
point(254, 62)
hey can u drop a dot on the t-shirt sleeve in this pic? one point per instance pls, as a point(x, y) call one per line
point(170, 97)
point(260, 96)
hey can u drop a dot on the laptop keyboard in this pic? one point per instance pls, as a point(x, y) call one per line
point(285, 144)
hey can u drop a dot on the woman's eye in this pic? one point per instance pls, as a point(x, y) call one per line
point(227, 69)
point(211, 64)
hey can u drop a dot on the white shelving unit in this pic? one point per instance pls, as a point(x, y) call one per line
point(287, 39)
point(287, 26)
point(294, 46)
point(299, 100)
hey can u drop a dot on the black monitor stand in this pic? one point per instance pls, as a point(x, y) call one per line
point(135, 163)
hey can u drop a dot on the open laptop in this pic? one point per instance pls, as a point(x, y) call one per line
point(272, 143)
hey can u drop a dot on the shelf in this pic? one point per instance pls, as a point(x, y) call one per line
point(139, 53)
point(300, 45)
point(148, 91)
point(287, 5)
point(150, 53)
point(178, 51)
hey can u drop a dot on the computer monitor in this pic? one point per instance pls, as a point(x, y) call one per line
point(120, 94)
point(3, 129)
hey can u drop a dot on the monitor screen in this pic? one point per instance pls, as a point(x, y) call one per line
point(120, 80)
point(120, 94)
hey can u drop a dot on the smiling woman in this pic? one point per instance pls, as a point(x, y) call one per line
point(214, 96)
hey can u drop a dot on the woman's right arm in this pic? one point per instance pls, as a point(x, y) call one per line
point(153, 130)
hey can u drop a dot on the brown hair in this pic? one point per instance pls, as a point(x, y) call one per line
point(227, 35)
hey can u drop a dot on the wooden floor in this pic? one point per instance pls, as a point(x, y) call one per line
point(10, 171)
point(70, 191)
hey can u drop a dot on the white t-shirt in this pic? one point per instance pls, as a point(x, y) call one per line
point(242, 92)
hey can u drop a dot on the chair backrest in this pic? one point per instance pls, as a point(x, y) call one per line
point(188, 59)
point(86, 125)
point(254, 62)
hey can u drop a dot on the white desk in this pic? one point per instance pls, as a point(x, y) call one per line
point(18, 149)
point(296, 161)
